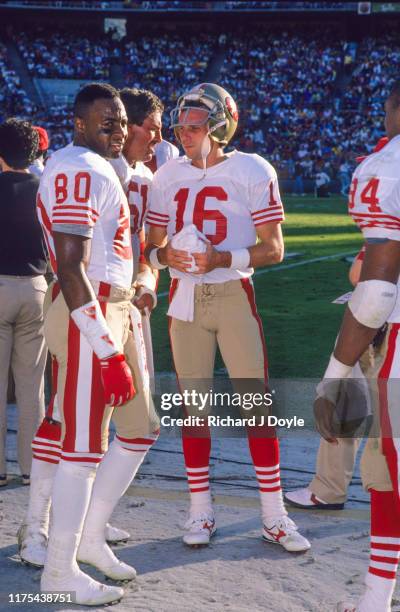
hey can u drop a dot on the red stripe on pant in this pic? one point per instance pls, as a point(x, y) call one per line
point(249, 290)
point(388, 447)
point(71, 384)
point(97, 404)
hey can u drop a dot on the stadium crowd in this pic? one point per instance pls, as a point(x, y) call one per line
point(287, 86)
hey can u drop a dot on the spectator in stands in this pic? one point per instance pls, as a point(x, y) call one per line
point(38, 165)
point(22, 289)
point(322, 181)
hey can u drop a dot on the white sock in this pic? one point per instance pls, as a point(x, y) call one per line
point(378, 595)
point(269, 483)
point(71, 495)
point(42, 477)
point(115, 473)
point(199, 488)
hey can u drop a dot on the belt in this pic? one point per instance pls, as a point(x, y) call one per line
point(104, 291)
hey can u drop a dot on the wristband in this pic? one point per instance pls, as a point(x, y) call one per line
point(147, 278)
point(240, 259)
point(92, 324)
point(153, 259)
point(337, 369)
point(145, 291)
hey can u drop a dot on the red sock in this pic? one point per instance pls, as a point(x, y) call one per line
point(265, 455)
point(196, 452)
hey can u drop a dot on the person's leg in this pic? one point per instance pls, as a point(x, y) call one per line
point(242, 345)
point(81, 402)
point(379, 470)
point(193, 346)
point(137, 428)
point(28, 363)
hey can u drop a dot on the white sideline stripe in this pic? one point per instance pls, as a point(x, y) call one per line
point(288, 266)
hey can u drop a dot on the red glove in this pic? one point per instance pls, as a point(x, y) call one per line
point(117, 380)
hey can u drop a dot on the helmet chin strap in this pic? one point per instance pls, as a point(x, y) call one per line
point(205, 151)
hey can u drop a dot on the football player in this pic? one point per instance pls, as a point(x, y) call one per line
point(374, 204)
point(85, 217)
point(144, 112)
point(232, 199)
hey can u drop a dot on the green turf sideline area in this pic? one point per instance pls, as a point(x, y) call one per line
point(300, 322)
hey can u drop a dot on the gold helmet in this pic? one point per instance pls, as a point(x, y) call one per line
point(221, 111)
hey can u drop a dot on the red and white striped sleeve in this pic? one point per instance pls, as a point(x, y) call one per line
point(266, 203)
point(157, 212)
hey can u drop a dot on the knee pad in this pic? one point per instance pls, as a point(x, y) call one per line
point(372, 302)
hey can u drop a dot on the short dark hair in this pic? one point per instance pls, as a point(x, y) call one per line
point(90, 93)
point(19, 142)
point(139, 104)
point(394, 94)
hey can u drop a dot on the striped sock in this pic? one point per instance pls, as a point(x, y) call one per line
point(196, 452)
point(385, 552)
point(265, 455)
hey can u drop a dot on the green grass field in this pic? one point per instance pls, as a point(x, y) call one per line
point(300, 322)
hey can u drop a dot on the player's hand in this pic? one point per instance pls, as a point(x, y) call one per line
point(145, 302)
point(175, 258)
point(207, 261)
point(117, 380)
point(324, 411)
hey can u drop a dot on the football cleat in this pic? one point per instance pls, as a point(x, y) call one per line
point(88, 592)
point(284, 532)
point(200, 528)
point(114, 535)
point(305, 498)
point(100, 555)
point(32, 546)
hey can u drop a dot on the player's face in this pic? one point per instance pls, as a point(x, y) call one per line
point(392, 118)
point(191, 131)
point(143, 138)
point(104, 129)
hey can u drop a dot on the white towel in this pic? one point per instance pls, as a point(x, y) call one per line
point(191, 240)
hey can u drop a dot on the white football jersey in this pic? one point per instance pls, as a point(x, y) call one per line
point(136, 183)
point(374, 198)
point(79, 193)
point(226, 205)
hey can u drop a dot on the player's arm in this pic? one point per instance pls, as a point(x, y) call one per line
point(355, 270)
point(269, 250)
point(146, 283)
point(159, 253)
point(73, 254)
point(368, 309)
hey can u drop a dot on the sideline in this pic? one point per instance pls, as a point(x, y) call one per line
point(238, 501)
point(288, 266)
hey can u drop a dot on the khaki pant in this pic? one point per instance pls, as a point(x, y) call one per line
point(85, 419)
point(335, 464)
point(23, 347)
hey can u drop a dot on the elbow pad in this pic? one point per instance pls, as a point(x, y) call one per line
point(372, 302)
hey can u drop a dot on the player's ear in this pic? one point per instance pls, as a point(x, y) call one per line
point(79, 125)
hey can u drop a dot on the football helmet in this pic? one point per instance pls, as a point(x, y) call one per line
point(220, 111)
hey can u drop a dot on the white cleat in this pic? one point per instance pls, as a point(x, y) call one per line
point(32, 546)
point(100, 555)
point(305, 498)
point(345, 607)
point(284, 532)
point(114, 535)
point(200, 529)
point(88, 592)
